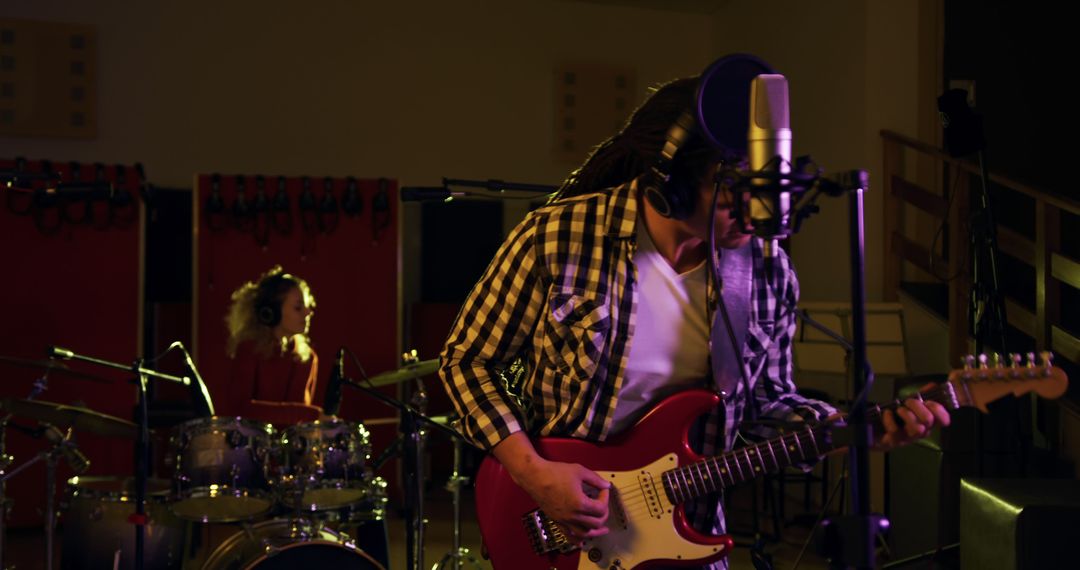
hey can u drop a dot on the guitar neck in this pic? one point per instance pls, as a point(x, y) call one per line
point(974, 385)
point(771, 456)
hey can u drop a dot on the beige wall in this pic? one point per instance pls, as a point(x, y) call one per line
point(409, 90)
point(422, 90)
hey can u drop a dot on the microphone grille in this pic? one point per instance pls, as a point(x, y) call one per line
point(770, 92)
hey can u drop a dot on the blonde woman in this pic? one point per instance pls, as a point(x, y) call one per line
point(274, 367)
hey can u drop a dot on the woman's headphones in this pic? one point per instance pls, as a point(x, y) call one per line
point(268, 299)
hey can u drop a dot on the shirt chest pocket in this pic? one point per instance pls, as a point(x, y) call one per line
point(576, 333)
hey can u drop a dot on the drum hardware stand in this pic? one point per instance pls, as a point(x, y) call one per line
point(61, 447)
point(142, 443)
point(40, 385)
point(452, 560)
point(410, 426)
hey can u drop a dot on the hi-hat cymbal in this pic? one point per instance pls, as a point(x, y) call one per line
point(407, 372)
point(52, 366)
point(64, 416)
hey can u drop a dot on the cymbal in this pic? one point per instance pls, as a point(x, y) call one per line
point(64, 416)
point(52, 366)
point(407, 372)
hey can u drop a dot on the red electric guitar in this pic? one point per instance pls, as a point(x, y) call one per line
point(653, 472)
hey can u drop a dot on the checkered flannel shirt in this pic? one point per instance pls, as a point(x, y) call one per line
point(561, 295)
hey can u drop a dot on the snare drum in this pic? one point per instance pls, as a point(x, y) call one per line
point(97, 531)
point(325, 465)
point(222, 468)
point(282, 544)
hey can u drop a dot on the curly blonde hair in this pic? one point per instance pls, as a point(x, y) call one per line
point(243, 319)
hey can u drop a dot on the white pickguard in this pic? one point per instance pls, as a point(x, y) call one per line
point(641, 524)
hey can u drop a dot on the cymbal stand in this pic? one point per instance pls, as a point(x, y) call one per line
point(40, 385)
point(453, 558)
point(142, 378)
point(411, 425)
point(50, 457)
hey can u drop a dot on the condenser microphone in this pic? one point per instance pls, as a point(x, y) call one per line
point(332, 403)
point(203, 402)
point(766, 203)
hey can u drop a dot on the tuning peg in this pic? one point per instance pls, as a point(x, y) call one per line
point(1047, 359)
point(1014, 364)
point(968, 362)
point(998, 365)
point(983, 361)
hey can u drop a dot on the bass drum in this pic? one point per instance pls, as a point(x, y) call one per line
point(97, 533)
point(286, 544)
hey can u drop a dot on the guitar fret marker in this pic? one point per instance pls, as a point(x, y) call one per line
point(702, 481)
point(750, 463)
point(719, 473)
point(783, 447)
point(742, 474)
point(813, 441)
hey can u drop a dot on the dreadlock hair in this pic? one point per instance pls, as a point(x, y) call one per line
point(636, 147)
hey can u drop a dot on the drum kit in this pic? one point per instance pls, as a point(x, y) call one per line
point(289, 497)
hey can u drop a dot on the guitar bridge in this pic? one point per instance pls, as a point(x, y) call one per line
point(545, 535)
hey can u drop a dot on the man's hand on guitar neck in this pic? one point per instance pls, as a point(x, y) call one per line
point(917, 418)
point(573, 496)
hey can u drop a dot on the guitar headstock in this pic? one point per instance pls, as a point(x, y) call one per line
point(986, 378)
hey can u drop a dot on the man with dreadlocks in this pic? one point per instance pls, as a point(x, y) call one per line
point(604, 296)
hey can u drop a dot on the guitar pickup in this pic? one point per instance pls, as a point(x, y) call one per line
point(648, 492)
point(545, 535)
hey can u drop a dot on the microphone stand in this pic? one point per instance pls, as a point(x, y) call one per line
point(142, 443)
point(412, 452)
point(847, 541)
point(488, 189)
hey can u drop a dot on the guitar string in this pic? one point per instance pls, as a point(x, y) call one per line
point(694, 486)
point(636, 506)
point(632, 500)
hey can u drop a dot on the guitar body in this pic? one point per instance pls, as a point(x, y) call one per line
point(645, 528)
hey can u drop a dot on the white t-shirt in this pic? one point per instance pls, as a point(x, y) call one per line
point(669, 351)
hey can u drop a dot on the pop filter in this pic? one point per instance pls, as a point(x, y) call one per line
point(723, 101)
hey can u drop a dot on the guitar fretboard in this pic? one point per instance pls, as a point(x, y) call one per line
point(771, 456)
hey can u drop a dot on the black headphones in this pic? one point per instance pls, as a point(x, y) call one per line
point(722, 88)
point(671, 198)
point(267, 303)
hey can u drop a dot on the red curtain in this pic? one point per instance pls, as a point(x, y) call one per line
point(350, 261)
point(72, 279)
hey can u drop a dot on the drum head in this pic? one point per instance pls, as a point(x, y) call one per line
point(314, 554)
point(288, 544)
point(217, 505)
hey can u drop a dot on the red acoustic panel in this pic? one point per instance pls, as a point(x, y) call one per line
point(350, 261)
point(69, 279)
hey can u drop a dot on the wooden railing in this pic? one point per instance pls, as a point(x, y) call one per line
point(1043, 253)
